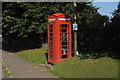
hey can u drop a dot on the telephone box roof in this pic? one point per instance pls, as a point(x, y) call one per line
point(59, 15)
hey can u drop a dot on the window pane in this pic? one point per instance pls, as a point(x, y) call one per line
point(64, 34)
point(51, 56)
point(51, 25)
point(64, 43)
point(51, 47)
point(51, 34)
point(64, 30)
point(64, 51)
point(51, 39)
point(65, 47)
point(51, 30)
point(64, 25)
point(51, 51)
point(51, 43)
point(64, 39)
point(64, 56)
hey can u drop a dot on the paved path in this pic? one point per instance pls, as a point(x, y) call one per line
point(22, 68)
point(0, 59)
point(0, 64)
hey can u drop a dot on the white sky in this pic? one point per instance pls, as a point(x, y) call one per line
point(106, 0)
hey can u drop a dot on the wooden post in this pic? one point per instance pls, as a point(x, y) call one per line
point(75, 32)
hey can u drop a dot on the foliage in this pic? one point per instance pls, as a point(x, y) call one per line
point(116, 14)
point(24, 19)
point(90, 33)
point(113, 32)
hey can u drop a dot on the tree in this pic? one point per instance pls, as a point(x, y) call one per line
point(91, 26)
point(23, 19)
point(29, 20)
point(26, 19)
point(113, 32)
point(116, 14)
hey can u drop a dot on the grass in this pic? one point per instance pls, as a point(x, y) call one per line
point(5, 71)
point(104, 67)
point(4, 67)
point(37, 56)
point(8, 74)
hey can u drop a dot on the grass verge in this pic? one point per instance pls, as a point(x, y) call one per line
point(104, 67)
point(6, 72)
point(37, 56)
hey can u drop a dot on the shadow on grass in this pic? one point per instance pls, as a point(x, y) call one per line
point(95, 55)
point(46, 54)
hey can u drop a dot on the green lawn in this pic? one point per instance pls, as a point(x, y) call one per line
point(104, 67)
point(89, 68)
point(37, 56)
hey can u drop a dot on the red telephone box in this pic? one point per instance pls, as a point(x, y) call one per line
point(59, 38)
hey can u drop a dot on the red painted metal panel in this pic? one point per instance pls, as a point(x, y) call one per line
point(59, 38)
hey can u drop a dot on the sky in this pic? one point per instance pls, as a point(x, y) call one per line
point(106, 6)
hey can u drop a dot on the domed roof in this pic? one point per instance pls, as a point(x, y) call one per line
point(58, 14)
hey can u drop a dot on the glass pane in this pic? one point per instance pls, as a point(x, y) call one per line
point(65, 47)
point(51, 56)
point(64, 56)
point(64, 43)
point(64, 51)
point(51, 43)
point(51, 34)
point(51, 52)
point(51, 30)
point(64, 30)
point(51, 25)
point(64, 39)
point(51, 47)
point(64, 34)
point(64, 25)
point(51, 39)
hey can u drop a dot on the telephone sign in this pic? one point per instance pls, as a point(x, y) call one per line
point(75, 27)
